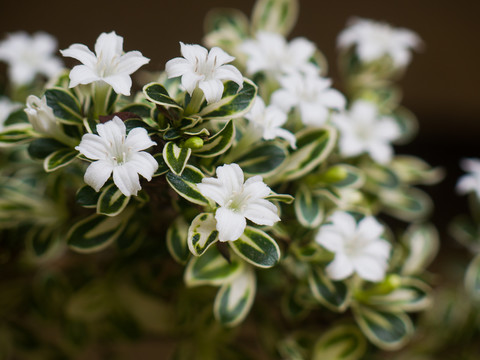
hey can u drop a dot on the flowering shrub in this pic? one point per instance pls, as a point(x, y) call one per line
point(240, 167)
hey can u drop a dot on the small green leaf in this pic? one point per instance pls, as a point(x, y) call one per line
point(87, 197)
point(65, 106)
point(234, 102)
point(177, 235)
point(142, 110)
point(308, 209)
point(353, 177)
point(342, 342)
point(285, 198)
point(185, 185)
point(262, 159)
point(112, 202)
point(277, 16)
point(335, 295)
point(212, 269)
point(157, 94)
point(234, 299)
point(16, 134)
point(380, 176)
point(422, 242)
point(59, 158)
point(176, 157)
point(387, 330)
point(162, 165)
point(257, 248)
point(219, 143)
point(95, 233)
point(408, 204)
point(202, 233)
point(16, 117)
point(42, 147)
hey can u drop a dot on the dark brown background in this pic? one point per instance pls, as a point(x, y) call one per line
point(441, 86)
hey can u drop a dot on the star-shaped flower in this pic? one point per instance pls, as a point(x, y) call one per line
point(376, 39)
point(364, 130)
point(114, 151)
point(109, 64)
point(312, 95)
point(238, 201)
point(270, 52)
point(200, 68)
point(358, 247)
point(269, 120)
point(471, 181)
point(28, 56)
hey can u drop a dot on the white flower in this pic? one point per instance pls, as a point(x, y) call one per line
point(28, 56)
point(362, 129)
point(41, 116)
point(377, 39)
point(470, 182)
point(358, 247)
point(203, 69)
point(311, 94)
point(6, 108)
point(270, 53)
point(116, 152)
point(109, 63)
point(238, 201)
point(269, 121)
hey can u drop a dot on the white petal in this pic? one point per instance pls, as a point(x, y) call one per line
point(113, 131)
point(177, 67)
point(219, 57)
point(261, 212)
point(350, 146)
point(333, 99)
point(190, 81)
point(214, 189)
point(369, 51)
point(344, 222)
point(255, 188)
point(230, 224)
point(193, 52)
point(229, 72)
point(379, 248)
point(98, 173)
point(131, 62)
point(138, 139)
point(82, 54)
point(283, 99)
point(470, 164)
point(93, 147)
point(370, 268)
point(370, 228)
point(387, 129)
point(287, 135)
point(380, 152)
point(21, 73)
point(144, 164)
point(126, 179)
point(301, 49)
point(330, 238)
point(340, 268)
point(467, 183)
point(313, 113)
point(108, 46)
point(231, 176)
point(212, 89)
point(121, 83)
point(82, 74)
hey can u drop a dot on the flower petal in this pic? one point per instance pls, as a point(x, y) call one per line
point(93, 147)
point(108, 45)
point(112, 132)
point(177, 67)
point(82, 54)
point(121, 83)
point(144, 164)
point(261, 212)
point(330, 238)
point(138, 139)
point(370, 268)
point(98, 173)
point(340, 268)
point(370, 228)
point(214, 189)
point(229, 72)
point(230, 224)
point(82, 74)
point(131, 62)
point(193, 52)
point(212, 89)
point(126, 178)
point(231, 176)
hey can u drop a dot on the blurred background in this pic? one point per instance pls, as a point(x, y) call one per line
point(441, 85)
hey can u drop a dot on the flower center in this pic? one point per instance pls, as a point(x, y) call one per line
point(205, 68)
point(120, 153)
point(237, 202)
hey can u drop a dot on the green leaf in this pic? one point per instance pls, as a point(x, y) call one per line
point(158, 95)
point(342, 342)
point(408, 204)
point(142, 110)
point(313, 147)
point(95, 233)
point(262, 159)
point(162, 165)
point(185, 185)
point(380, 176)
point(219, 19)
point(234, 102)
point(335, 295)
point(65, 106)
point(219, 143)
point(234, 299)
point(472, 278)
point(40, 240)
point(412, 171)
point(176, 157)
point(87, 197)
point(202, 233)
point(308, 209)
point(422, 242)
point(59, 158)
point(285, 198)
point(16, 134)
point(212, 269)
point(387, 330)
point(353, 177)
point(42, 147)
point(177, 245)
point(407, 123)
point(112, 202)
point(16, 117)
point(278, 16)
point(257, 248)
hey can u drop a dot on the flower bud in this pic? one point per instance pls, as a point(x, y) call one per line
point(41, 115)
point(193, 143)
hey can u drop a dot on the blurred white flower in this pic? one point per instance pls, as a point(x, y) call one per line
point(270, 52)
point(358, 247)
point(238, 201)
point(41, 116)
point(376, 39)
point(28, 56)
point(204, 69)
point(469, 182)
point(269, 120)
point(6, 108)
point(109, 64)
point(363, 130)
point(116, 152)
point(312, 95)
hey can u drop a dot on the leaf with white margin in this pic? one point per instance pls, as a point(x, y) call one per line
point(342, 342)
point(185, 185)
point(334, 295)
point(256, 247)
point(278, 16)
point(218, 143)
point(308, 208)
point(202, 233)
point(111, 201)
point(235, 298)
point(422, 242)
point(177, 235)
point(212, 269)
point(58, 159)
point(176, 157)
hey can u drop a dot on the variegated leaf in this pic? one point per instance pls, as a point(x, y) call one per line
point(176, 157)
point(158, 95)
point(65, 106)
point(342, 342)
point(256, 247)
point(219, 143)
point(262, 160)
point(111, 201)
point(185, 185)
point(335, 295)
point(177, 235)
point(202, 233)
point(277, 16)
point(58, 159)
point(308, 208)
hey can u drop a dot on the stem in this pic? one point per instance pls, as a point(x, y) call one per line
point(100, 91)
point(195, 102)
